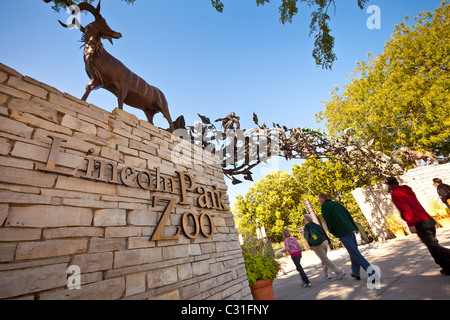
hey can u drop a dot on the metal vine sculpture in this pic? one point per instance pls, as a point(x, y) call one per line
point(242, 150)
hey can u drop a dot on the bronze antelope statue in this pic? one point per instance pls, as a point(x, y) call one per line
point(107, 72)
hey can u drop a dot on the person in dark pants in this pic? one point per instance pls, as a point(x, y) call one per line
point(416, 216)
point(292, 246)
point(340, 223)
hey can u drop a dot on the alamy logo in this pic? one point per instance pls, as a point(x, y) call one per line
point(374, 21)
point(75, 17)
point(74, 279)
point(374, 280)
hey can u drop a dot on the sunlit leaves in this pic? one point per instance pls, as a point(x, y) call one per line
point(401, 97)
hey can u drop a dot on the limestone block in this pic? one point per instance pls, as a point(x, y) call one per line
point(47, 216)
point(136, 257)
point(123, 232)
point(78, 125)
point(74, 232)
point(147, 125)
point(185, 271)
point(135, 162)
point(110, 153)
point(14, 92)
point(66, 103)
point(3, 76)
point(27, 87)
point(162, 277)
point(19, 234)
point(105, 245)
point(40, 84)
point(112, 289)
point(24, 198)
point(30, 151)
point(112, 138)
point(208, 247)
point(190, 291)
point(127, 151)
point(110, 217)
point(141, 133)
point(173, 252)
point(34, 108)
point(18, 282)
point(126, 117)
point(142, 218)
point(7, 251)
point(15, 127)
point(194, 249)
point(135, 283)
point(75, 99)
point(49, 248)
point(89, 203)
point(73, 184)
point(98, 122)
point(53, 106)
point(73, 143)
point(3, 213)
point(38, 122)
point(160, 142)
point(142, 147)
point(172, 296)
point(93, 262)
point(140, 242)
point(201, 267)
point(10, 71)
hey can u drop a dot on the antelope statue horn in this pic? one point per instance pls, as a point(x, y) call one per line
point(84, 6)
point(74, 22)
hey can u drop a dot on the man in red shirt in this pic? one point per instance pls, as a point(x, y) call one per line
point(416, 216)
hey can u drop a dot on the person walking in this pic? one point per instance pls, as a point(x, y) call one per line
point(318, 241)
point(443, 191)
point(292, 246)
point(340, 223)
point(416, 216)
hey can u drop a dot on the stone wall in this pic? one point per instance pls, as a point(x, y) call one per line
point(375, 202)
point(99, 205)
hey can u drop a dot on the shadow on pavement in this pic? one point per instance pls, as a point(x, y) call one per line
point(408, 272)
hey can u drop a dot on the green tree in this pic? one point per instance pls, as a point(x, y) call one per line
point(277, 200)
point(274, 200)
point(317, 175)
point(401, 97)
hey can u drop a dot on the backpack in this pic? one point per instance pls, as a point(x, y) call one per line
point(315, 237)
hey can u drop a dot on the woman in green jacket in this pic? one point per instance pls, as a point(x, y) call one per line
point(318, 240)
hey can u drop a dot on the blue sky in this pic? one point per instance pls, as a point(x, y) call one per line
point(242, 60)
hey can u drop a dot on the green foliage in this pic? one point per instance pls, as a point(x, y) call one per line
point(277, 200)
point(401, 97)
point(259, 259)
point(274, 200)
point(437, 209)
point(259, 268)
point(393, 220)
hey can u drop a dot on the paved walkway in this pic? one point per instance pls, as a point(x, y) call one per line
point(408, 272)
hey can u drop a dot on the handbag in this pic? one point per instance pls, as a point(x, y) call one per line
point(316, 238)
